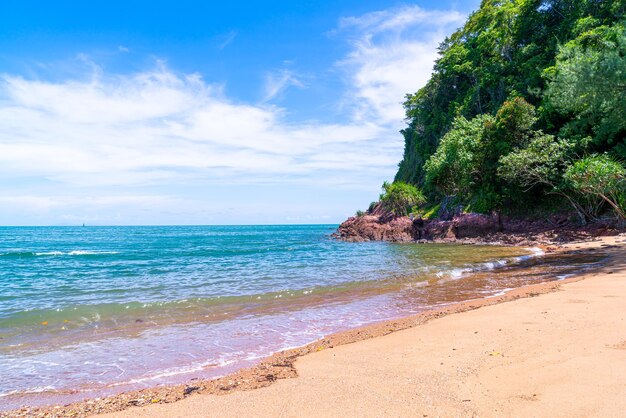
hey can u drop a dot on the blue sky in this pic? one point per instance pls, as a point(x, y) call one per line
point(193, 112)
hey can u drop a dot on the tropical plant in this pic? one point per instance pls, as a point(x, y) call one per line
point(399, 197)
point(541, 165)
point(602, 176)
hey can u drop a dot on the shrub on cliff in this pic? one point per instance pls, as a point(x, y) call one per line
point(399, 197)
point(541, 165)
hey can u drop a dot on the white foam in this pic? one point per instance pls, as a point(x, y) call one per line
point(536, 252)
point(458, 273)
point(175, 372)
point(84, 252)
point(76, 252)
point(38, 389)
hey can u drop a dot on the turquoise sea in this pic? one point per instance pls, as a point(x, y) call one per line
point(89, 311)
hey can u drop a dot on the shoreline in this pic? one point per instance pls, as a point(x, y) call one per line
point(281, 366)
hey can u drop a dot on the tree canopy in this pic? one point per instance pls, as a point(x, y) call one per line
point(519, 96)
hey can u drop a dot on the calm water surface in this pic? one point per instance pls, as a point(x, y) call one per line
point(88, 311)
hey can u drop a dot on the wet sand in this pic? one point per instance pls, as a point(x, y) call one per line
point(560, 354)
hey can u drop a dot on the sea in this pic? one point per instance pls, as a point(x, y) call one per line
point(93, 311)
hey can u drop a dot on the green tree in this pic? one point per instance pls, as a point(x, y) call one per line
point(455, 168)
point(541, 165)
point(399, 197)
point(518, 70)
point(588, 82)
point(513, 125)
point(602, 176)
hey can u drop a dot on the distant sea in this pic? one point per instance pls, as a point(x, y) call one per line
point(89, 311)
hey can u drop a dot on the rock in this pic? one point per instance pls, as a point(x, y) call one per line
point(468, 228)
point(376, 228)
point(382, 227)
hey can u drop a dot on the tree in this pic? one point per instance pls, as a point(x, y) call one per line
point(455, 168)
point(398, 197)
point(542, 163)
point(599, 175)
point(588, 82)
point(513, 125)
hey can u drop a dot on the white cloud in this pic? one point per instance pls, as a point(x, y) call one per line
point(159, 126)
point(37, 203)
point(393, 53)
point(277, 82)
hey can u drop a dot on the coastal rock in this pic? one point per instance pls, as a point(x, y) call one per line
point(472, 225)
point(376, 228)
point(469, 228)
point(403, 229)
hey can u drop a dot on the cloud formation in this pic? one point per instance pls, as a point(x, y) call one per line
point(278, 81)
point(157, 126)
point(107, 134)
point(392, 54)
point(228, 39)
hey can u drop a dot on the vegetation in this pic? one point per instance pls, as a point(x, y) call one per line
point(399, 198)
point(601, 176)
point(526, 104)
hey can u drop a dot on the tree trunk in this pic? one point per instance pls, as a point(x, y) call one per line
point(579, 211)
point(614, 205)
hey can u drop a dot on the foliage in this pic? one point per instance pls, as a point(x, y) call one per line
point(516, 94)
point(513, 125)
point(599, 175)
point(431, 212)
point(455, 167)
point(588, 82)
point(542, 163)
point(399, 197)
point(359, 213)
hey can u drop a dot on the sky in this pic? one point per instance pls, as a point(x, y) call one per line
point(189, 112)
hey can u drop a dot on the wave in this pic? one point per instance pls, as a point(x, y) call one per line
point(33, 391)
point(458, 273)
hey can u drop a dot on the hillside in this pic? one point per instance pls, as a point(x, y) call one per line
point(525, 113)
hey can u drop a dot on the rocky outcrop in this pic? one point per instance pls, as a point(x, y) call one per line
point(404, 229)
point(466, 227)
point(376, 228)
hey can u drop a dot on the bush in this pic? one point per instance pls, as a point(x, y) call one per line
point(601, 176)
point(399, 197)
